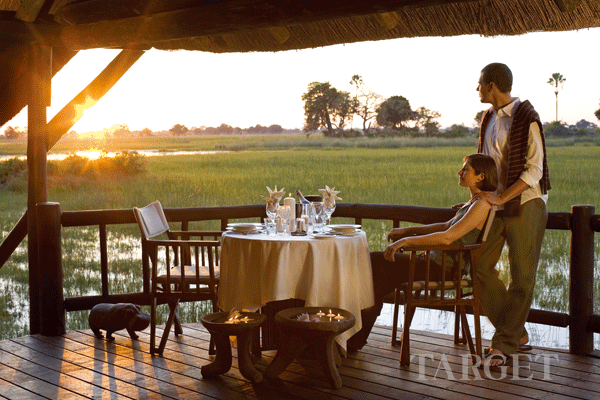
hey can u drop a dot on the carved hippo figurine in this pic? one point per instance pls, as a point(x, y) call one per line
point(114, 317)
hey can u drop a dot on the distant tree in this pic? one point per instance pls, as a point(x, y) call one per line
point(478, 117)
point(120, 130)
point(146, 132)
point(394, 112)
point(597, 114)
point(456, 131)
point(555, 80)
point(426, 119)
point(179, 130)
point(322, 103)
point(558, 129)
point(583, 124)
point(343, 109)
point(258, 128)
point(275, 129)
point(11, 133)
point(365, 101)
point(226, 129)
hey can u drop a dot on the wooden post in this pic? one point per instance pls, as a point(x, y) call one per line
point(581, 282)
point(40, 67)
point(52, 306)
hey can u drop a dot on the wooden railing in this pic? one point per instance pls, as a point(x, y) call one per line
point(581, 222)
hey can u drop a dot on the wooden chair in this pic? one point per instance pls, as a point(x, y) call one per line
point(444, 294)
point(198, 259)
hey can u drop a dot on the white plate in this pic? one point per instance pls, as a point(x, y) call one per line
point(244, 227)
point(346, 229)
point(244, 224)
point(342, 226)
point(323, 236)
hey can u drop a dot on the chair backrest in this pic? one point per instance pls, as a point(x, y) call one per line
point(151, 220)
point(488, 224)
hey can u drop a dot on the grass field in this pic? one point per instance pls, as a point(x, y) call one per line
point(401, 175)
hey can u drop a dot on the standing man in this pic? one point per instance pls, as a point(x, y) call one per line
point(511, 133)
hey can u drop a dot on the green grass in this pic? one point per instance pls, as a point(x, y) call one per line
point(425, 176)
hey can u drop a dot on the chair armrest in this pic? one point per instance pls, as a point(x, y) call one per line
point(197, 233)
point(450, 247)
point(184, 242)
point(398, 237)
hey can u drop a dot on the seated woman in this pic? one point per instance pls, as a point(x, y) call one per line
point(390, 269)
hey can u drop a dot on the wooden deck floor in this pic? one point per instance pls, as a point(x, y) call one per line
point(79, 366)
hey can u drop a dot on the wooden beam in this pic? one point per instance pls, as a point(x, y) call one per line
point(567, 5)
point(40, 62)
point(222, 18)
point(13, 240)
point(29, 33)
point(29, 10)
point(64, 120)
point(13, 92)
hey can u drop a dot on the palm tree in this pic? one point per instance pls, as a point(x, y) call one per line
point(555, 80)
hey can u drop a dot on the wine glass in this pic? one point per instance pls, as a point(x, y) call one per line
point(272, 211)
point(317, 213)
point(284, 213)
point(328, 209)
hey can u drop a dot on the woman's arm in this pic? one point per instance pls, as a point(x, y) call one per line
point(474, 218)
point(399, 233)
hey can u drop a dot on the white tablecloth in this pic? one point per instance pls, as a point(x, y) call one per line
point(257, 268)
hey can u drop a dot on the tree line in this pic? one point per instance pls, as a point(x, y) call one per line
point(331, 111)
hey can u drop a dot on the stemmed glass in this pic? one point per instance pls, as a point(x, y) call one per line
point(328, 209)
point(284, 213)
point(272, 211)
point(271, 214)
point(317, 209)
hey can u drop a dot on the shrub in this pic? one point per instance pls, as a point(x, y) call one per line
point(75, 171)
point(11, 168)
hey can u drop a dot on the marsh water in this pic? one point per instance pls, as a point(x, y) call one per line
point(82, 277)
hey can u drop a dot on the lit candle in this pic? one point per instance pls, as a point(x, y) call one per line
point(330, 315)
point(339, 317)
point(320, 313)
point(291, 203)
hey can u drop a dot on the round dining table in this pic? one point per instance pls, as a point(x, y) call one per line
point(325, 272)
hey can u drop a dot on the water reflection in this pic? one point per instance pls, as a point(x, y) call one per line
point(93, 154)
point(81, 265)
point(442, 322)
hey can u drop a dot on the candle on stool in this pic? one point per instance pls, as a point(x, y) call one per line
point(330, 315)
point(320, 313)
point(339, 317)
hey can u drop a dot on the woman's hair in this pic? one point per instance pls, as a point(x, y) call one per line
point(485, 164)
point(498, 73)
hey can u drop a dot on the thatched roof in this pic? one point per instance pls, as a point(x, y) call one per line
point(222, 26)
point(274, 25)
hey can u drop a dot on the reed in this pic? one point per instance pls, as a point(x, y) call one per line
point(424, 176)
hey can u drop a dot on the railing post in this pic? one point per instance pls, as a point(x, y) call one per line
point(581, 283)
point(52, 305)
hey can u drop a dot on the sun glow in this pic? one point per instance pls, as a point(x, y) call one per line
point(92, 154)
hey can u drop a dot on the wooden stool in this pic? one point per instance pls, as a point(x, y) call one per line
point(295, 336)
point(220, 331)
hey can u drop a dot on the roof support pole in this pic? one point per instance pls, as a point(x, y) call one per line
point(40, 69)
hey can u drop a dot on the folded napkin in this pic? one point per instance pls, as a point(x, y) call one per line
point(330, 195)
point(274, 195)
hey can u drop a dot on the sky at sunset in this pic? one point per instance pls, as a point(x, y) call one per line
point(204, 89)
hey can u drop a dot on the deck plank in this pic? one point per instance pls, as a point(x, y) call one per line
point(78, 365)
